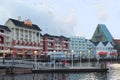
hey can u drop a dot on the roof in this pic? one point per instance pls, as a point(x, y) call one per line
point(95, 43)
point(21, 24)
point(117, 41)
point(106, 32)
point(104, 43)
point(102, 34)
point(5, 28)
point(48, 35)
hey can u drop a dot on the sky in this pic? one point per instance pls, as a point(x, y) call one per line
point(65, 17)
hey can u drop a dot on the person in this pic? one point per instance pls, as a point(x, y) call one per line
point(64, 62)
point(52, 63)
point(102, 65)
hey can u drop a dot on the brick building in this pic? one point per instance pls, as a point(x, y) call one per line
point(4, 38)
point(55, 43)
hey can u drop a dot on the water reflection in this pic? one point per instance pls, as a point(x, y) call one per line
point(56, 76)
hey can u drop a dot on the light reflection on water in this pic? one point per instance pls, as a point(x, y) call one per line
point(114, 73)
point(56, 76)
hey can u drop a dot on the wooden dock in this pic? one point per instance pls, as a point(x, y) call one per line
point(41, 67)
point(70, 70)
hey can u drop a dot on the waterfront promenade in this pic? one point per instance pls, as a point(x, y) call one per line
point(39, 67)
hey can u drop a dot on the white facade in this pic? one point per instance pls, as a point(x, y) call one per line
point(24, 39)
point(108, 48)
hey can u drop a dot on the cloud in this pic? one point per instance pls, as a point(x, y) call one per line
point(40, 13)
point(69, 23)
point(102, 15)
point(101, 12)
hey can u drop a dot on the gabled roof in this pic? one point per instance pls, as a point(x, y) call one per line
point(104, 43)
point(5, 28)
point(21, 24)
point(95, 43)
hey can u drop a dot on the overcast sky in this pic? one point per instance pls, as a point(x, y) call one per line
point(65, 17)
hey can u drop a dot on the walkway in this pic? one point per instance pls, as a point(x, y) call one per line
point(16, 64)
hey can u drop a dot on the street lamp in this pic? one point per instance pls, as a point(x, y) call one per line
point(98, 57)
point(80, 57)
point(72, 57)
point(54, 58)
point(35, 59)
point(11, 52)
point(89, 57)
point(65, 54)
point(4, 57)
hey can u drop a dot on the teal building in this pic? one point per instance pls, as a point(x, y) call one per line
point(102, 34)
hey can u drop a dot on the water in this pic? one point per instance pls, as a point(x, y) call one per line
point(56, 76)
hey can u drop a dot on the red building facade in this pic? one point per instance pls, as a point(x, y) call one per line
point(4, 31)
point(55, 43)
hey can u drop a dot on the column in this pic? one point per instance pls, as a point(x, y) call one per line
point(23, 34)
point(28, 36)
point(19, 34)
point(32, 36)
point(14, 32)
point(39, 38)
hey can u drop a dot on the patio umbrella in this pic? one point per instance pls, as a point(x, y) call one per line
point(113, 53)
point(103, 53)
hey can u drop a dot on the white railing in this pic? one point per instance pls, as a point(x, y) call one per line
point(17, 63)
point(48, 65)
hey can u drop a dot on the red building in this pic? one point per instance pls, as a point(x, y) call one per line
point(4, 34)
point(55, 43)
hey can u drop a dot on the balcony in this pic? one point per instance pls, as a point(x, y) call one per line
point(2, 34)
point(65, 41)
point(2, 45)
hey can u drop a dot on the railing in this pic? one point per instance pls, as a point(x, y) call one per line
point(17, 63)
point(48, 65)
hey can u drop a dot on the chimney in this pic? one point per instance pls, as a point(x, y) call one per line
point(19, 18)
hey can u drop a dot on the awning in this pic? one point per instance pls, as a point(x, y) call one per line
point(113, 53)
point(103, 53)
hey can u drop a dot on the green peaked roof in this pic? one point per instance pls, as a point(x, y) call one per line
point(102, 34)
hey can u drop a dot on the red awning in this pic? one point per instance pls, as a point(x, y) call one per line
point(113, 53)
point(103, 53)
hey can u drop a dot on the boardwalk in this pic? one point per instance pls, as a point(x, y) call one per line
point(59, 68)
point(38, 67)
point(16, 64)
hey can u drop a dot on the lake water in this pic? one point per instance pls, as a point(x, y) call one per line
point(56, 76)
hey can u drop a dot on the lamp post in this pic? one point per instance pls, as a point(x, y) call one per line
point(65, 54)
point(72, 57)
point(54, 58)
point(35, 59)
point(98, 57)
point(89, 57)
point(11, 52)
point(80, 57)
point(4, 57)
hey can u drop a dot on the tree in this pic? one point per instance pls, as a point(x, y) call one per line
point(117, 46)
